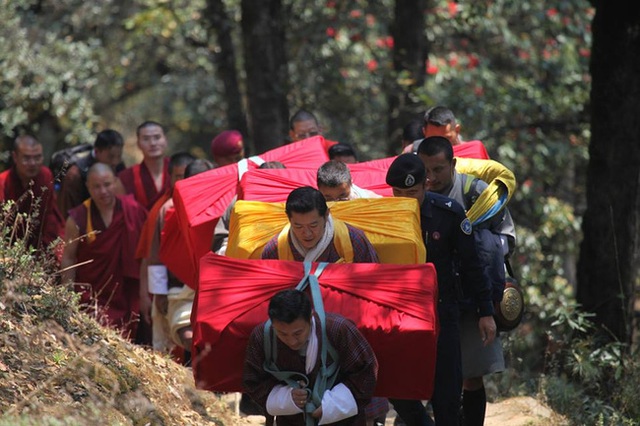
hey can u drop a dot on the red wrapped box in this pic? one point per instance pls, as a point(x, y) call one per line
point(394, 306)
point(202, 199)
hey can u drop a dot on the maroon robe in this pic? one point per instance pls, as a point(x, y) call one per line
point(48, 223)
point(137, 180)
point(113, 278)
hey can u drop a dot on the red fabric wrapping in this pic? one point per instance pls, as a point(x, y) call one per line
point(471, 149)
point(275, 185)
point(175, 246)
point(202, 199)
point(393, 306)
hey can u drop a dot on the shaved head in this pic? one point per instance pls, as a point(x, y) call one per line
point(25, 141)
point(101, 185)
point(99, 168)
point(27, 157)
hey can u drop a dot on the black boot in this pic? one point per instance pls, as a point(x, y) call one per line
point(474, 405)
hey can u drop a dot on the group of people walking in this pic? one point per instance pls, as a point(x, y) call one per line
point(109, 222)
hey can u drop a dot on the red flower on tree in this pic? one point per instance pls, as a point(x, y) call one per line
point(453, 8)
point(372, 65)
point(389, 41)
point(430, 68)
point(331, 32)
point(474, 61)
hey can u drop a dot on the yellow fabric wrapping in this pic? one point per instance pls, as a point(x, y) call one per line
point(391, 224)
point(500, 179)
point(340, 239)
point(91, 236)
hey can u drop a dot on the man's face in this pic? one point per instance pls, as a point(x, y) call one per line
point(308, 227)
point(448, 131)
point(341, 192)
point(27, 160)
point(177, 173)
point(304, 129)
point(101, 186)
point(229, 159)
point(439, 172)
point(111, 156)
point(152, 142)
point(416, 191)
point(295, 334)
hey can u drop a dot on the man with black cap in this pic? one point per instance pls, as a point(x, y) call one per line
point(448, 236)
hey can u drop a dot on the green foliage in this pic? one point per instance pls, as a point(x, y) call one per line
point(340, 60)
point(515, 73)
point(44, 73)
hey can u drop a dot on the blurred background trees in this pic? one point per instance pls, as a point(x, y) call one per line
point(515, 73)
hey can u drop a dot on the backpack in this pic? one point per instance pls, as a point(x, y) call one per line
point(65, 158)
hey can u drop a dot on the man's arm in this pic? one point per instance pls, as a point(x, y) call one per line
point(473, 271)
point(69, 255)
point(256, 382)
point(358, 367)
point(270, 251)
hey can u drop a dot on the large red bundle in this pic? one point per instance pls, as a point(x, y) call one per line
point(173, 243)
point(202, 199)
point(471, 149)
point(273, 186)
point(393, 306)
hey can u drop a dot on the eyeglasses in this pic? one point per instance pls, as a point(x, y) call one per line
point(306, 135)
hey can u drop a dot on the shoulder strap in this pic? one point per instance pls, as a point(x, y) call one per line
point(342, 240)
point(328, 374)
point(469, 188)
point(284, 250)
point(91, 235)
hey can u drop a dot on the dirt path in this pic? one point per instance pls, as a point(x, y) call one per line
point(519, 411)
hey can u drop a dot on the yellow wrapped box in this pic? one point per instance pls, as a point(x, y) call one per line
point(391, 224)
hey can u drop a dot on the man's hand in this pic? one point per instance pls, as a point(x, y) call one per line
point(145, 307)
point(317, 413)
point(299, 397)
point(487, 327)
point(162, 303)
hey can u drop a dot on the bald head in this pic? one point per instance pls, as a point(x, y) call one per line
point(100, 168)
point(26, 141)
point(101, 185)
point(27, 157)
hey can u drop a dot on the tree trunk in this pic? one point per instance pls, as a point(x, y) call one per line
point(266, 66)
point(409, 56)
point(608, 267)
point(219, 22)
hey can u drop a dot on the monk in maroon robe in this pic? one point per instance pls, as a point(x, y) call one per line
point(26, 182)
point(149, 180)
point(110, 226)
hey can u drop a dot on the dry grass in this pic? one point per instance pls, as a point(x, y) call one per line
point(58, 366)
